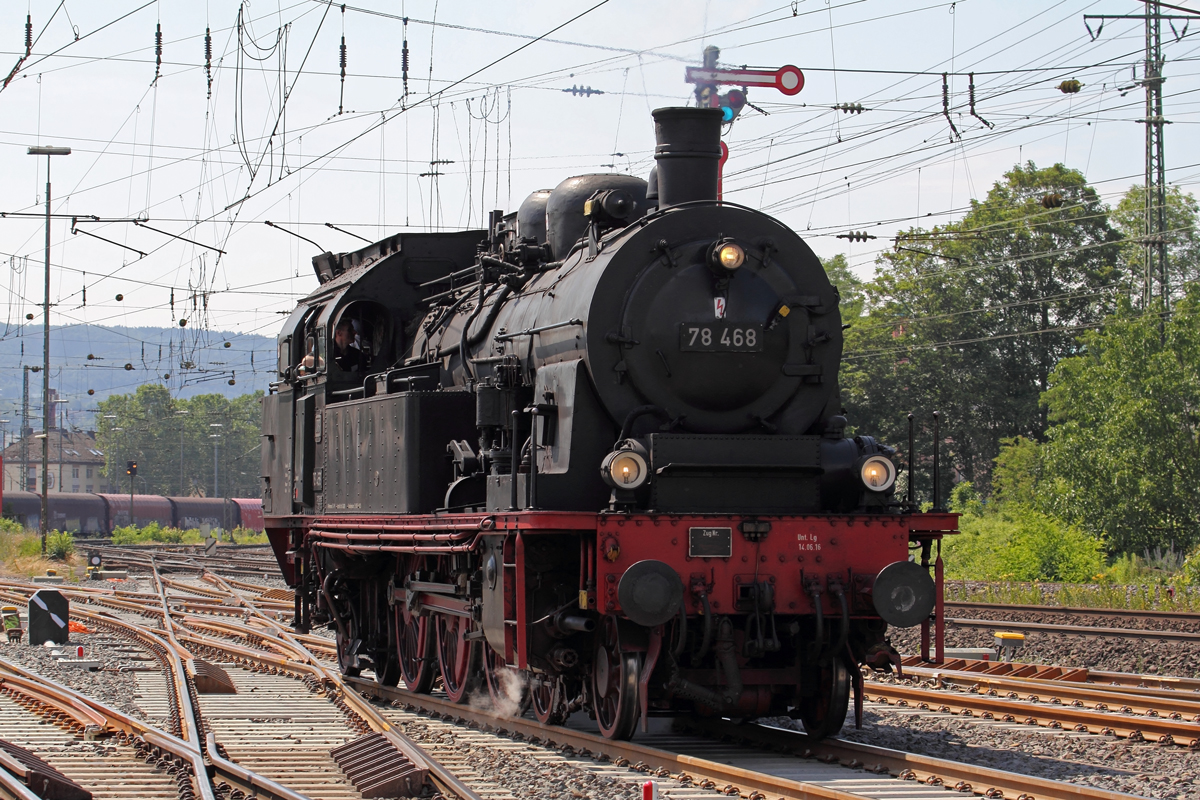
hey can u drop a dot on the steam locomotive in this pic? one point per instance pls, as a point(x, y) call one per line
point(597, 448)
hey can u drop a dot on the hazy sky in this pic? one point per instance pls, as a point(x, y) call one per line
point(213, 168)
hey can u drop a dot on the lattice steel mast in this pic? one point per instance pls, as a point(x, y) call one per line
point(1154, 232)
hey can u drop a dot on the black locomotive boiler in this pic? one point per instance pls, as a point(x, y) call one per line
point(597, 446)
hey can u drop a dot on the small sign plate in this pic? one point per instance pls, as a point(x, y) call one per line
point(710, 542)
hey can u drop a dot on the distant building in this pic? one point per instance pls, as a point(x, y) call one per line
point(75, 463)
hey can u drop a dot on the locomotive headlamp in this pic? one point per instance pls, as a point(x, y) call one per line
point(727, 255)
point(625, 469)
point(877, 473)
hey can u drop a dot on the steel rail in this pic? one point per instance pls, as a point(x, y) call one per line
point(38, 687)
point(1162, 684)
point(1154, 702)
point(1079, 611)
point(189, 751)
point(414, 752)
point(1165, 731)
point(1078, 630)
point(906, 766)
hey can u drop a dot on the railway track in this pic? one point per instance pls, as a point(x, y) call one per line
point(1076, 630)
point(193, 741)
point(237, 624)
point(750, 760)
point(743, 766)
point(1079, 611)
point(722, 767)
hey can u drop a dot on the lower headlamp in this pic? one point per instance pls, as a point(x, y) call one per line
point(624, 469)
point(878, 473)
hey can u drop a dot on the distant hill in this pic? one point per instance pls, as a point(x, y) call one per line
point(189, 362)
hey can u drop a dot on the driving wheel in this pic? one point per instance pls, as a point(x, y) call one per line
point(548, 696)
point(615, 684)
point(506, 686)
point(458, 657)
point(824, 713)
point(416, 656)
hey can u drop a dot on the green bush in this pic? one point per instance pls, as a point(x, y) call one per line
point(240, 535)
point(11, 526)
point(155, 534)
point(1017, 543)
point(1189, 574)
point(29, 547)
point(60, 545)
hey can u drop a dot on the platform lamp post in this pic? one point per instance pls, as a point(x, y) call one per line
point(216, 437)
point(3, 443)
point(45, 516)
point(131, 471)
point(180, 414)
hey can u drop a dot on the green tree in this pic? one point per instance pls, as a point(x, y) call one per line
point(1183, 240)
point(1123, 450)
point(970, 318)
point(173, 442)
point(848, 285)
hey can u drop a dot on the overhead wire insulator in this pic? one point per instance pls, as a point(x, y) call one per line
point(342, 62)
point(1052, 200)
point(404, 58)
point(157, 50)
point(850, 108)
point(856, 236)
point(208, 58)
point(28, 35)
point(1071, 86)
point(946, 106)
point(971, 94)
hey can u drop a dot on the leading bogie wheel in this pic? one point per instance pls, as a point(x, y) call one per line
point(548, 696)
point(458, 657)
point(824, 713)
point(615, 684)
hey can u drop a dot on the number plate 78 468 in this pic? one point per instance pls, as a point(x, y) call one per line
point(720, 337)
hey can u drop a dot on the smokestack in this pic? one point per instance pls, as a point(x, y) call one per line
point(688, 152)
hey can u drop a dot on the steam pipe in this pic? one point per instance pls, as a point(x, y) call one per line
point(706, 640)
point(727, 660)
point(636, 414)
point(843, 634)
point(683, 631)
point(326, 592)
point(573, 623)
point(814, 591)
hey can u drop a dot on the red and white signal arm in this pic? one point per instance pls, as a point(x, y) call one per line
point(787, 79)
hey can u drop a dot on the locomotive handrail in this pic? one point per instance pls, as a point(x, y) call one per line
point(504, 337)
point(716, 465)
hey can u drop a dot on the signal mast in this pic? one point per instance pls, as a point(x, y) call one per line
point(787, 79)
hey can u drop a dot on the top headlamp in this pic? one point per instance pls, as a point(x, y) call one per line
point(727, 256)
